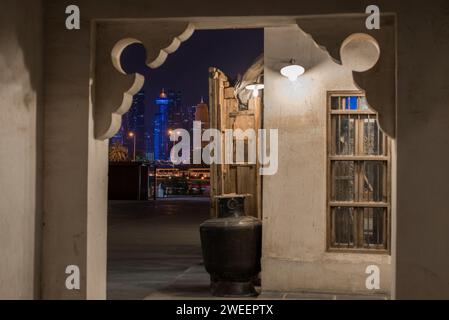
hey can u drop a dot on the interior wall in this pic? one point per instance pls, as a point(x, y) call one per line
point(20, 192)
point(294, 241)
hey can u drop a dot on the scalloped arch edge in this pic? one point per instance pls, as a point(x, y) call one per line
point(139, 81)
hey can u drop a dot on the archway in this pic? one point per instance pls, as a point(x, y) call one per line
point(161, 235)
point(275, 22)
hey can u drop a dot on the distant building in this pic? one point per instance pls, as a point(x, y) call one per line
point(139, 125)
point(170, 115)
point(202, 114)
point(180, 116)
point(175, 115)
point(153, 139)
point(161, 137)
point(134, 121)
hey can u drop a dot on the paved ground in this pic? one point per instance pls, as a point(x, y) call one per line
point(154, 252)
point(151, 244)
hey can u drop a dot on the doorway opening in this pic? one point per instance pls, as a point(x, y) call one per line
point(156, 206)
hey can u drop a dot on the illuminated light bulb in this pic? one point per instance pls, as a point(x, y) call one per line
point(255, 88)
point(292, 71)
point(255, 93)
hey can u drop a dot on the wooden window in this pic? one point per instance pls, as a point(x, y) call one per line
point(358, 176)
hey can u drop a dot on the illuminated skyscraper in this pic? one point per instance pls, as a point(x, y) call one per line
point(161, 137)
point(170, 115)
point(133, 121)
point(202, 114)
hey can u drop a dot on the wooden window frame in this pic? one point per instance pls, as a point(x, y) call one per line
point(357, 158)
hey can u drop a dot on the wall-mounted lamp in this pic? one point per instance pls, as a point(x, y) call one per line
point(292, 71)
point(255, 87)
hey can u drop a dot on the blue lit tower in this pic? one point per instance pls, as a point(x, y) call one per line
point(160, 134)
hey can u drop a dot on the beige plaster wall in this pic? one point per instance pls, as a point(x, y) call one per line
point(294, 243)
point(20, 106)
point(75, 197)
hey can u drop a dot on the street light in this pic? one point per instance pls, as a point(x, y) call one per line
point(133, 135)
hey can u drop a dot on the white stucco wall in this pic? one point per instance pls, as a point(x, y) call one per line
point(294, 200)
point(20, 67)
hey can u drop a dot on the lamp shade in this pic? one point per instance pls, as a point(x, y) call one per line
point(292, 71)
point(256, 86)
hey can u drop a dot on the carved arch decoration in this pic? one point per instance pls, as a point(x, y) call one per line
point(161, 38)
point(114, 89)
point(379, 80)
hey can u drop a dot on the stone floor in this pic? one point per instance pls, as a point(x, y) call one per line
point(151, 243)
point(193, 284)
point(154, 252)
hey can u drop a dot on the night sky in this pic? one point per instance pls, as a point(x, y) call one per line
point(186, 70)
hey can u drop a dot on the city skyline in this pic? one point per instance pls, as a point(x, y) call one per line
point(185, 74)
